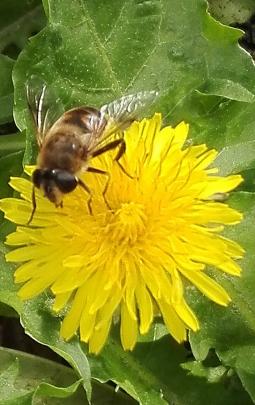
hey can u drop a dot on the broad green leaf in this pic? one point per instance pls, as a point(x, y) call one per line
point(7, 311)
point(227, 89)
point(10, 394)
point(23, 376)
point(26, 379)
point(249, 183)
point(231, 331)
point(132, 46)
point(44, 326)
point(212, 374)
point(10, 165)
point(18, 21)
point(8, 291)
point(102, 395)
point(236, 158)
point(248, 383)
point(6, 89)
point(153, 374)
point(11, 143)
point(232, 11)
point(45, 373)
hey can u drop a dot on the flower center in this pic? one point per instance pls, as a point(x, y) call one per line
point(128, 223)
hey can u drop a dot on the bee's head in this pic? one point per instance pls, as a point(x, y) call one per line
point(54, 183)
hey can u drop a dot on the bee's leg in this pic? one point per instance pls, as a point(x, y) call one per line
point(34, 206)
point(99, 171)
point(87, 189)
point(112, 145)
point(105, 148)
point(121, 151)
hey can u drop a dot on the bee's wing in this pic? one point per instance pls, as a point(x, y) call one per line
point(120, 113)
point(44, 106)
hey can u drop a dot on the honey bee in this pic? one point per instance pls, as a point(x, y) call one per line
point(68, 140)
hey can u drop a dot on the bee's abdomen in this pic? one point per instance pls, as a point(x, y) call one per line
point(68, 141)
point(62, 151)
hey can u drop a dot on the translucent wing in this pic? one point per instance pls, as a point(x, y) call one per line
point(44, 106)
point(120, 113)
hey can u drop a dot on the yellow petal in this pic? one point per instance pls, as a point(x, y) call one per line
point(29, 253)
point(187, 315)
point(173, 323)
point(71, 322)
point(60, 301)
point(221, 185)
point(145, 307)
point(87, 324)
point(106, 312)
point(207, 286)
point(35, 286)
point(157, 222)
point(128, 328)
point(27, 271)
point(98, 338)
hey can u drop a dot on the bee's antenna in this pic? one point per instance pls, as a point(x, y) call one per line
point(34, 206)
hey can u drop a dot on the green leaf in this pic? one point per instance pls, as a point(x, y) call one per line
point(18, 21)
point(10, 165)
point(6, 89)
point(25, 379)
point(44, 373)
point(228, 89)
point(11, 143)
point(8, 291)
point(236, 158)
point(9, 394)
point(28, 379)
point(231, 331)
point(153, 373)
point(37, 320)
point(249, 184)
point(231, 11)
point(248, 383)
point(7, 311)
point(130, 47)
point(212, 374)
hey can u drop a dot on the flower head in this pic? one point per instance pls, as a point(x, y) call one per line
point(160, 225)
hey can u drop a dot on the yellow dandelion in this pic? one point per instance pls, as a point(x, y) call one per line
point(161, 226)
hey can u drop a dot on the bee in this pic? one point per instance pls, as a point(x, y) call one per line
point(68, 140)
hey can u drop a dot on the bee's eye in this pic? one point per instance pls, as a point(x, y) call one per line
point(37, 177)
point(65, 181)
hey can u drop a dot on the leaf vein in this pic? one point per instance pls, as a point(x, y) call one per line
point(116, 22)
point(100, 47)
point(140, 69)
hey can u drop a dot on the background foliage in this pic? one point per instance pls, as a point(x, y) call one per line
point(92, 52)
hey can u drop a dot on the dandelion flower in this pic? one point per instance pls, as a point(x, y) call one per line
point(132, 255)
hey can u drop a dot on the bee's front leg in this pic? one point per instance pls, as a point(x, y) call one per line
point(105, 173)
point(87, 189)
point(33, 205)
point(112, 145)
